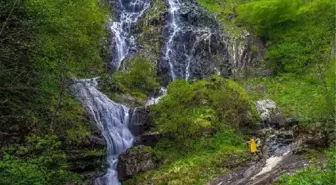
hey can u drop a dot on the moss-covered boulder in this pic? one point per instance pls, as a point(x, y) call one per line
point(135, 160)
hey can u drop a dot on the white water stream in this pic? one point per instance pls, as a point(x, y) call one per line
point(111, 118)
point(128, 13)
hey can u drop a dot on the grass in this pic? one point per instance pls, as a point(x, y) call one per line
point(203, 160)
point(296, 96)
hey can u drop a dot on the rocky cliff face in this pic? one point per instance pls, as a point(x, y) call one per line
point(190, 43)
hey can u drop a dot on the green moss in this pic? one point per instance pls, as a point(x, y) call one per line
point(149, 27)
point(198, 121)
point(138, 81)
point(226, 13)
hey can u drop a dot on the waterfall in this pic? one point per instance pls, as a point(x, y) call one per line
point(155, 99)
point(127, 14)
point(182, 56)
point(111, 118)
point(174, 6)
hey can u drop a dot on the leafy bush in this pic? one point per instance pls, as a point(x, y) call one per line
point(42, 43)
point(69, 35)
point(139, 80)
point(194, 110)
point(39, 162)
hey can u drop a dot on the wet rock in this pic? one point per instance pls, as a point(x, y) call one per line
point(247, 54)
point(135, 160)
point(306, 136)
point(277, 159)
point(150, 139)
point(270, 115)
point(141, 120)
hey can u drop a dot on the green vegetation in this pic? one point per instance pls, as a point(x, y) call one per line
point(300, 37)
point(139, 80)
point(44, 43)
point(299, 40)
point(207, 106)
point(199, 122)
point(306, 97)
point(39, 162)
point(204, 159)
point(314, 174)
point(299, 34)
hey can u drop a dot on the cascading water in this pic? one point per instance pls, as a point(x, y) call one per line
point(155, 99)
point(174, 6)
point(190, 42)
point(112, 120)
point(128, 12)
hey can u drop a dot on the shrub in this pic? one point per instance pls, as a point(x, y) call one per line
point(39, 162)
point(194, 110)
point(139, 80)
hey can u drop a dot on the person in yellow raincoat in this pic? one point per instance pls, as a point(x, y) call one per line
point(253, 146)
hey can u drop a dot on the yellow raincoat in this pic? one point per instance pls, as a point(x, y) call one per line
point(253, 145)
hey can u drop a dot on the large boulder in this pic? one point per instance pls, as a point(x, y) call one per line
point(308, 136)
point(136, 160)
point(270, 115)
point(140, 120)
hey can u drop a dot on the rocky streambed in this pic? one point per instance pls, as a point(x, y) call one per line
point(281, 147)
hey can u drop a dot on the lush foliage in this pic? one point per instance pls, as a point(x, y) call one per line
point(299, 34)
point(204, 159)
point(192, 110)
point(39, 162)
point(309, 97)
point(43, 44)
point(266, 16)
point(199, 122)
point(140, 78)
point(313, 175)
